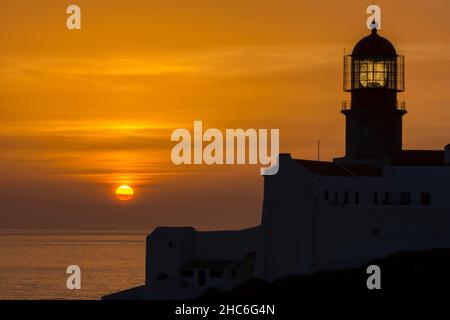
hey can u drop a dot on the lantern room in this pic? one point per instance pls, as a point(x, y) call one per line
point(374, 64)
point(374, 75)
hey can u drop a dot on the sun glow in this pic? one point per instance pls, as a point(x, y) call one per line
point(124, 193)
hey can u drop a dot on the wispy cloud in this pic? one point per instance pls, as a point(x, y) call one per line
point(219, 62)
point(432, 52)
point(104, 151)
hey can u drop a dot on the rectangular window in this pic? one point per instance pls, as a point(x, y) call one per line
point(201, 277)
point(336, 196)
point(426, 198)
point(356, 197)
point(405, 198)
point(386, 198)
point(376, 232)
point(375, 198)
point(345, 197)
point(325, 195)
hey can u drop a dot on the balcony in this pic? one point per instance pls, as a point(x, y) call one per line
point(400, 105)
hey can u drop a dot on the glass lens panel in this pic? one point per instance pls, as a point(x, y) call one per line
point(372, 74)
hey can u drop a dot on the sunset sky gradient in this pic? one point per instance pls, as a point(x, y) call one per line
point(83, 112)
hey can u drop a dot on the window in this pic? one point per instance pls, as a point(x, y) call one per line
point(162, 276)
point(187, 273)
point(365, 122)
point(170, 244)
point(426, 198)
point(335, 196)
point(216, 273)
point(375, 72)
point(233, 273)
point(405, 198)
point(376, 232)
point(201, 277)
point(325, 195)
point(379, 72)
point(356, 197)
point(345, 197)
point(386, 198)
point(375, 198)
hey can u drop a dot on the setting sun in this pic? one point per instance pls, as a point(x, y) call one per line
point(124, 193)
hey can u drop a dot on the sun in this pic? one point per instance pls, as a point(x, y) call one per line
point(124, 193)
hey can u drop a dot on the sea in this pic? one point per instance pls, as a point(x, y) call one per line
point(33, 264)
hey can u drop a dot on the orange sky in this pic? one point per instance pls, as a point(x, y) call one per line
point(84, 111)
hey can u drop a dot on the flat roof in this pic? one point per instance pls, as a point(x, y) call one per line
point(419, 158)
point(325, 168)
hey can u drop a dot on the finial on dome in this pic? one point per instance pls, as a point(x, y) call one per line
point(374, 45)
point(374, 26)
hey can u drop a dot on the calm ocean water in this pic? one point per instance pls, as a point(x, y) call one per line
point(33, 263)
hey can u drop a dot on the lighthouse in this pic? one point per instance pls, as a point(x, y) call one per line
point(374, 75)
point(322, 215)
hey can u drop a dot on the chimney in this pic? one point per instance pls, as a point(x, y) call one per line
point(447, 154)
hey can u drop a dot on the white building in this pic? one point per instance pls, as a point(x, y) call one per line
point(377, 200)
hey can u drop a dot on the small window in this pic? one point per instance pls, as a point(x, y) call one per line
point(170, 244)
point(162, 276)
point(325, 195)
point(375, 198)
point(335, 196)
point(345, 197)
point(233, 273)
point(386, 198)
point(216, 273)
point(405, 198)
point(356, 197)
point(201, 278)
point(426, 198)
point(365, 122)
point(187, 273)
point(376, 232)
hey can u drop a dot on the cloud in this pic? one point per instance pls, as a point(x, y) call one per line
point(431, 53)
point(84, 136)
point(237, 61)
point(133, 149)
